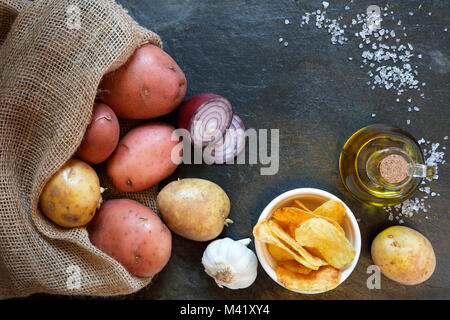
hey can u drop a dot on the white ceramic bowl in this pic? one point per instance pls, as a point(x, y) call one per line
point(350, 227)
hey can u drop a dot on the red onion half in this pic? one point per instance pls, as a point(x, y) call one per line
point(206, 116)
point(227, 148)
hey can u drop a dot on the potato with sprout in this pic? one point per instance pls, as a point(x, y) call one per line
point(196, 209)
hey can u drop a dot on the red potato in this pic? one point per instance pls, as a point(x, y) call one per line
point(150, 84)
point(132, 234)
point(101, 137)
point(143, 157)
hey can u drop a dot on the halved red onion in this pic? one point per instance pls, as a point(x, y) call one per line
point(227, 148)
point(206, 116)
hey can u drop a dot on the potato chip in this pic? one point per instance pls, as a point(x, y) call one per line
point(332, 209)
point(279, 254)
point(301, 205)
point(291, 215)
point(326, 278)
point(314, 252)
point(294, 266)
point(324, 237)
point(291, 229)
point(315, 262)
point(263, 233)
point(295, 216)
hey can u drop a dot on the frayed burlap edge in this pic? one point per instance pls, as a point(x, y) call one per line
point(49, 75)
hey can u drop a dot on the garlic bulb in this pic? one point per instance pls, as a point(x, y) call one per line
point(230, 263)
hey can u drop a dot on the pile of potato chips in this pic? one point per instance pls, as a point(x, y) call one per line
point(310, 247)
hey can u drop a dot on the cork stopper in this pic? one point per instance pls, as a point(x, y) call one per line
point(394, 168)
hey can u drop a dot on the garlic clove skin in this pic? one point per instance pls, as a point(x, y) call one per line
point(230, 263)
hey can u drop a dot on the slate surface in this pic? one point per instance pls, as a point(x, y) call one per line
point(317, 98)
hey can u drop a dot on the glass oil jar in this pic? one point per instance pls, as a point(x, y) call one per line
point(382, 165)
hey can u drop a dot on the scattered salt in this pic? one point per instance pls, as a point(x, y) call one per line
point(333, 26)
point(390, 67)
point(433, 157)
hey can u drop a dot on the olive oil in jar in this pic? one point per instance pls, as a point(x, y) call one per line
point(382, 165)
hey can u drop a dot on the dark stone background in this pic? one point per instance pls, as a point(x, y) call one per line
point(317, 98)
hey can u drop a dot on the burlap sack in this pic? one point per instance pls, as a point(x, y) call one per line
point(51, 63)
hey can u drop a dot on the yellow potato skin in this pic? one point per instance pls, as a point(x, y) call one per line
point(404, 255)
point(193, 208)
point(71, 196)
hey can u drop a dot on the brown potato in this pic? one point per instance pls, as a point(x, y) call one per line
point(132, 234)
point(101, 137)
point(403, 255)
point(143, 157)
point(150, 84)
point(71, 196)
point(196, 209)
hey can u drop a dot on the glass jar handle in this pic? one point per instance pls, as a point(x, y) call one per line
point(422, 171)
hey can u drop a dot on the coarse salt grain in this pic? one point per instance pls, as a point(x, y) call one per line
point(331, 25)
point(407, 209)
point(390, 69)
